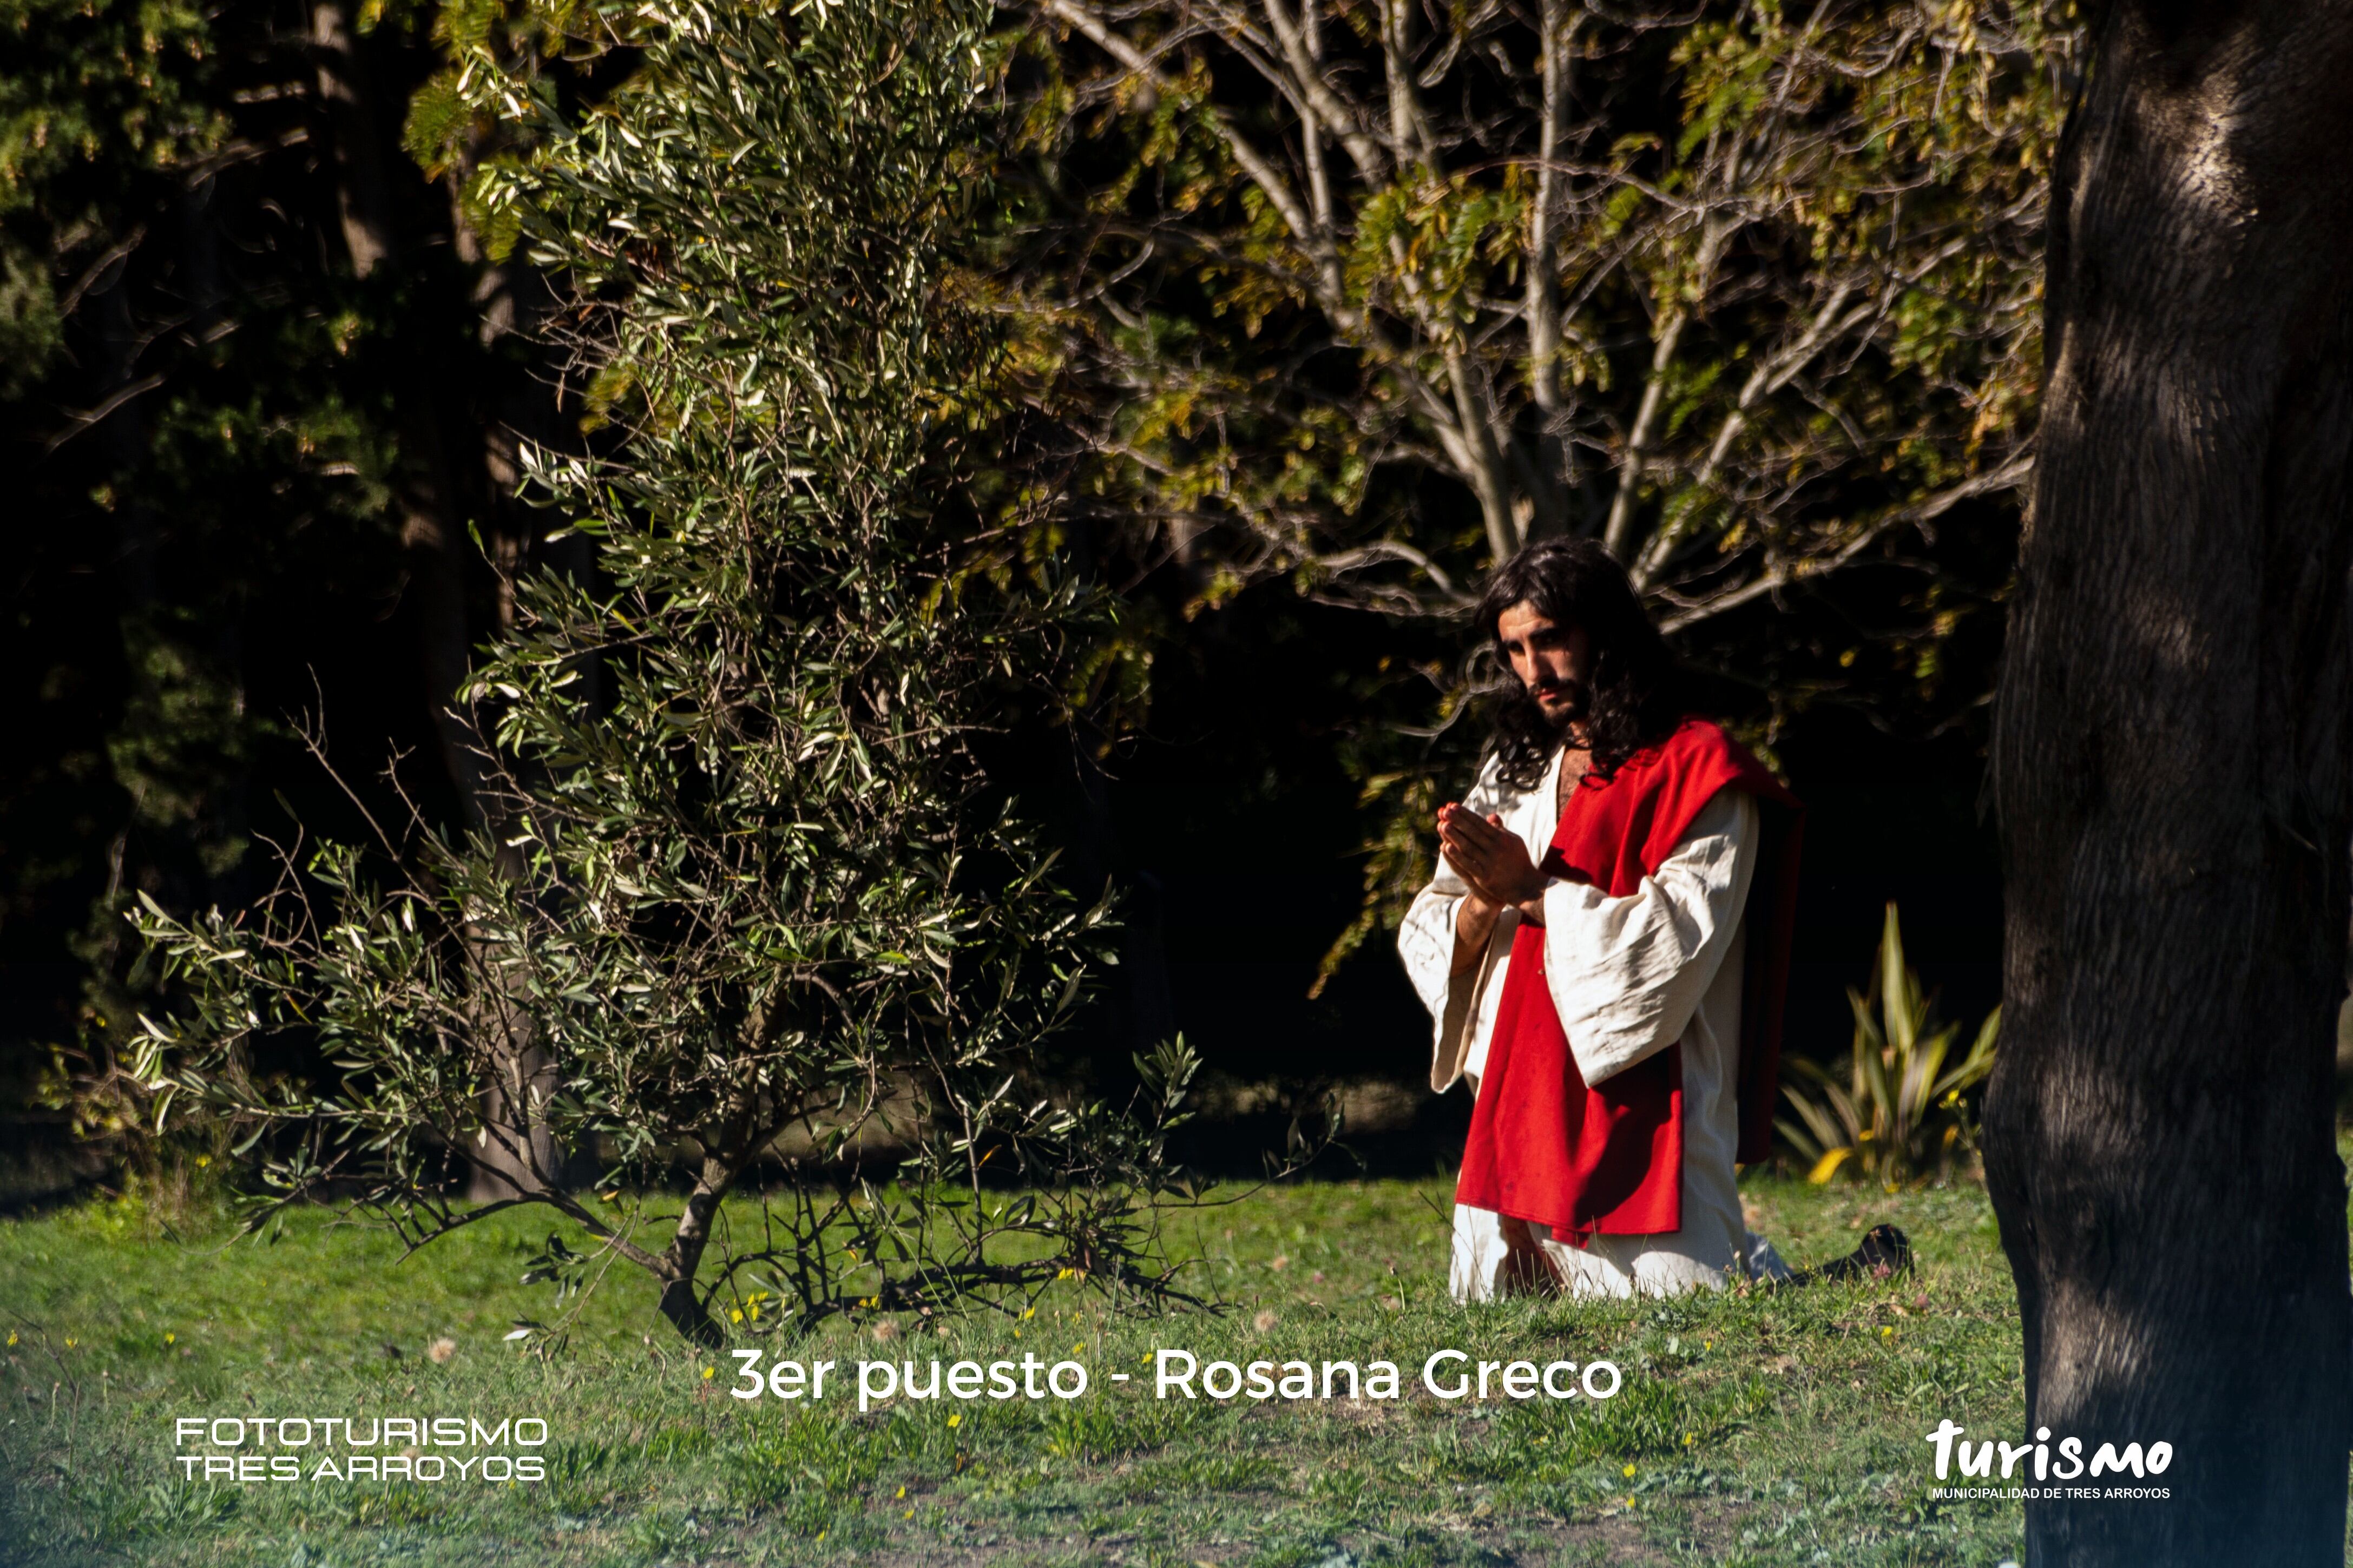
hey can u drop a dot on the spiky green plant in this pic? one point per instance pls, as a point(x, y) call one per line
point(1901, 1114)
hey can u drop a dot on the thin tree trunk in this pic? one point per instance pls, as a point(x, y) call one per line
point(1551, 480)
point(519, 1155)
point(431, 534)
point(362, 199)
point(2171, 770)
point(680, 1302)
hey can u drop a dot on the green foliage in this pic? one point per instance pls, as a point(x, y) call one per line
point(261, 479)
point(95, 100)
point(195, 411)
point(93, 97)
point(1902, 1114)
point(31, 331)
point(745, 888)
point(1805, 307)
point(101, 105)
point(538, 53)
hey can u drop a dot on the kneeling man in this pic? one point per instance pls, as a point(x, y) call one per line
point(1605, 948)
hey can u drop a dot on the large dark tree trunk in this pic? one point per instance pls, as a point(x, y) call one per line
point(2171, 772)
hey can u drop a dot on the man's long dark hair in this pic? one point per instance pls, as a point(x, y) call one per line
point(1636, 697)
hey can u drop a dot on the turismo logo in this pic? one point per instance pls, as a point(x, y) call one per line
point(2043, 1463)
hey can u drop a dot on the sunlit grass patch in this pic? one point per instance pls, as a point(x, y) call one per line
point(1750, 1428)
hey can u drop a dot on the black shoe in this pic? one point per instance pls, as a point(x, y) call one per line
point(1885, 1252)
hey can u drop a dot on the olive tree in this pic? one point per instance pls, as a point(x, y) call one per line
point(750, 893)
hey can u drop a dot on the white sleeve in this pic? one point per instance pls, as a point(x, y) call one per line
point(1426, 936)
point(1627, 973)
point(1425, 940)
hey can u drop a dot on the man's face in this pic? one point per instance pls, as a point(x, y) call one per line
point(1554, 663)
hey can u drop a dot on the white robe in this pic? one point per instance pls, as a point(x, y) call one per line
point(1628, 976)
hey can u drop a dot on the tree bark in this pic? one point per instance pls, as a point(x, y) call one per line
point(518, 1155)
point(680, 1302)
point(363, 199)
point(2171, 770)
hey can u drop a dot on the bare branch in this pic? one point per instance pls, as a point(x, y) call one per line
point(1780, 573)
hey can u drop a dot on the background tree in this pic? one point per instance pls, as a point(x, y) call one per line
point(2171, 770)
point(261, 383)
point(177, 448)
point(1366, 295)
point(232, 452)
point(765, 890)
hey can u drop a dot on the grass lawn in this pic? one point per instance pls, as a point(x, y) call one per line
point(1768, 1429)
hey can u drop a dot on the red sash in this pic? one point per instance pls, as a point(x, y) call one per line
point(1608, 1159)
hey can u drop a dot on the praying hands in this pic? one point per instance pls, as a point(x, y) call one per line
point(1494, 862)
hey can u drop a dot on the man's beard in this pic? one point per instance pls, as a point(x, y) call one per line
point(1573, 712)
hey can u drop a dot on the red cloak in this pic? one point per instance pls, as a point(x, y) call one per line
point(1607, 1158)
